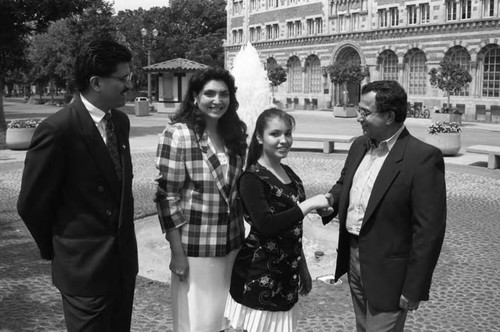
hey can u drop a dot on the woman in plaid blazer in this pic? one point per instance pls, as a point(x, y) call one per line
point(200, 157)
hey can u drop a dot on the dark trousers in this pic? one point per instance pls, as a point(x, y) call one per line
point(369, 319)
point(108, 313)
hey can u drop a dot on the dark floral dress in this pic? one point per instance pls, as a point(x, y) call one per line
point(266, 271)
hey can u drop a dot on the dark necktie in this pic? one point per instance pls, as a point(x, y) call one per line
point(112, 144)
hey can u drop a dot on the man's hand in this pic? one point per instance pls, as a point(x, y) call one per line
point(407, 304)
point(323, 212)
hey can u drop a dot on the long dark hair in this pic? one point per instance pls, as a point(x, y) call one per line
point(229, 126)
point(255, 149)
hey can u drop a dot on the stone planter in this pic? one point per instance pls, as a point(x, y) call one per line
point(344, 111)
point(19, 138)
point(447, 117)
point(448, 143)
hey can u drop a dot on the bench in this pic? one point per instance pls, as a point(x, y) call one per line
point(493, 153)
point(327, 140)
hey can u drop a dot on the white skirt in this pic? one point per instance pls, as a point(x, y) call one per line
point(198, 302)
point(252, 320)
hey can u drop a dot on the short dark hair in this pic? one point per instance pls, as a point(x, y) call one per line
point(231, 128)
point(255, 149)
point(98, 58)
point(390, 96)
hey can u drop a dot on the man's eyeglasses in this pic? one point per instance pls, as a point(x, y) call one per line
point(125, 79)
point(363, 112)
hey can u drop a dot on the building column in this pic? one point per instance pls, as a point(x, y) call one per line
point(474, 89)
point(401, 77)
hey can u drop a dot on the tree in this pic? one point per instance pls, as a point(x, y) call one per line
point(52, 53)
point(187, 29)
point(208, 49)
point(342, 73)
point(276, 74)
point(49, 54)
point(18, 20)
point(450, 77)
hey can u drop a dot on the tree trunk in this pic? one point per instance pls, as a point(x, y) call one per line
point(51, 92)
point(344, 94)
point(3, 123)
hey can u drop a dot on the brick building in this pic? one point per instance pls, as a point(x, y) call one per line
point(399, 40)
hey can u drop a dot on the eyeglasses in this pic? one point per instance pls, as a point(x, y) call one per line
point(363, 112)
point(125, 79)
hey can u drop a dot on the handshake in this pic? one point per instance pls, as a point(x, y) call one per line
point(322, 203)
point(325, 211)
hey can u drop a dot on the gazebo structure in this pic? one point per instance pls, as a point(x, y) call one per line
point(172, 78)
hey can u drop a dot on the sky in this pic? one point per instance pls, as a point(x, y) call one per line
point(135, 4)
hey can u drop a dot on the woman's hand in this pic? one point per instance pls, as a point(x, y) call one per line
point(323, 212)
point(179, 266)
point(305, 283)
point(178, 260)
point(321, 201)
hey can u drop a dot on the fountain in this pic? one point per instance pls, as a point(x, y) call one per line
point(253, 94)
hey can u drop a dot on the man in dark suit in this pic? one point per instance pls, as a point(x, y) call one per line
point(391, 204)
point(76, 194)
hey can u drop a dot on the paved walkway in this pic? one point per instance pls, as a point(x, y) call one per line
point(464, 294)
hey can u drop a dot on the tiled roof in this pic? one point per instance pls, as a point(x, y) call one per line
point(178, 64)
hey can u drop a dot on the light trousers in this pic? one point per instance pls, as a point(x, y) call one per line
point(369, 319)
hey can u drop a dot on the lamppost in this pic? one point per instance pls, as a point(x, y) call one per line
point(148, 41)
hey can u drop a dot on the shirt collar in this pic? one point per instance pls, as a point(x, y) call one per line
point(390, 141)
point(95, 113)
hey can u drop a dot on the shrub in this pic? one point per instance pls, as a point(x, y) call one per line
point(443, 127)
point(29, 123)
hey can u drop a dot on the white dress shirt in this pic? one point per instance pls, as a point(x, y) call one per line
point(97, 115)
point(364, 178)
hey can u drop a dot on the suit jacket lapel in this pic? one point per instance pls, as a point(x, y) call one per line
point(97, 147)
point(389, 171)
point(357, 158)
point(235, 170)
point(214, 166)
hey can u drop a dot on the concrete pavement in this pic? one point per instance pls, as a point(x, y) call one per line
point(466, 284)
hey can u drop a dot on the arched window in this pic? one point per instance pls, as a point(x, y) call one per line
point(490, 66)
point(294, 75)
point(312, 82)
point(416, 72)
point(460, 55)
point(388, 66)
point(348, 55)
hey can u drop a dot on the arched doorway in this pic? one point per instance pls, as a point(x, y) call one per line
point(348, 55)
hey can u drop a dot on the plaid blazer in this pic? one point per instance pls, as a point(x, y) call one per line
point(192, 194)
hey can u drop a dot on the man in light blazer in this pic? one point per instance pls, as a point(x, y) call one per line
point(76, 194)
point(391, 204)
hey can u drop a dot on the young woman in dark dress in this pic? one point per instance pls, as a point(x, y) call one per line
point(270, 269)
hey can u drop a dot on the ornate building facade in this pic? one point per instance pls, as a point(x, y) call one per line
point(395, 40)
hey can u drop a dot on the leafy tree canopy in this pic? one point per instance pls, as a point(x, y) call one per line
point(345, 72)
point(20, 19)
point(276, 74)
point(187, 29)
point(450, 77)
